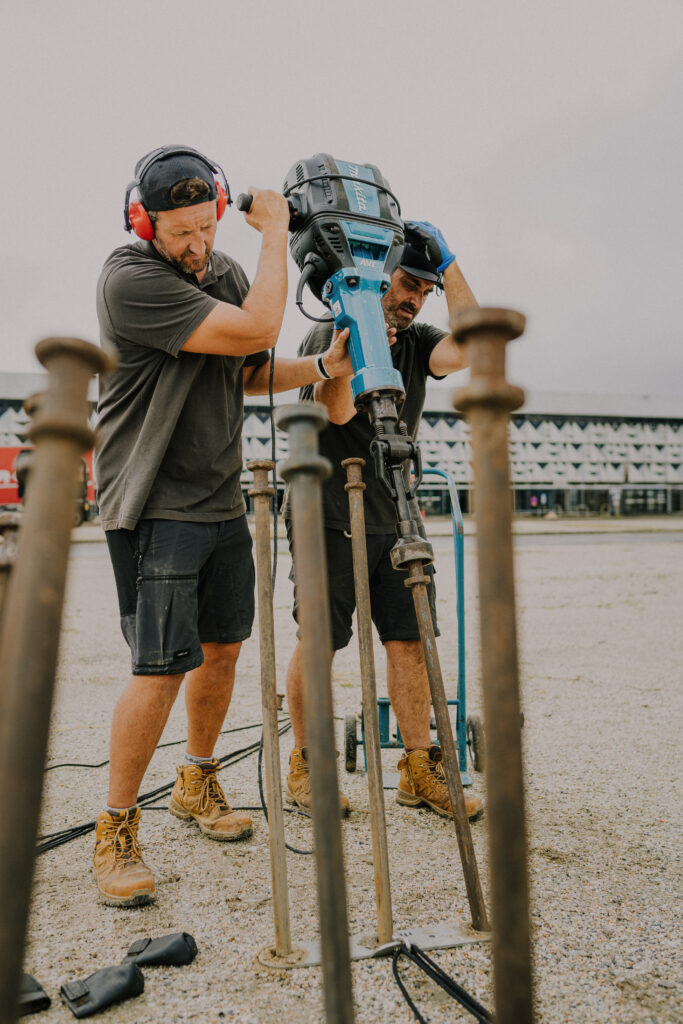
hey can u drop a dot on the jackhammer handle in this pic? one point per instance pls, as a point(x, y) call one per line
point(244, 201)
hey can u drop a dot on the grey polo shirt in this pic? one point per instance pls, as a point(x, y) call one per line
point(169, 422)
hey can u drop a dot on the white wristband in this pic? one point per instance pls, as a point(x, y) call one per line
point(320, 367)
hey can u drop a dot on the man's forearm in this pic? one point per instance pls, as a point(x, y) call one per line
point(268, 294)
point(287, 374)
point(458, 293)
point(337, 397)
point(449, 357)
point(334, 394)
point(297, 373)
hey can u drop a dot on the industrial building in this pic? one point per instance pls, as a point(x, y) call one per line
point(570, 453)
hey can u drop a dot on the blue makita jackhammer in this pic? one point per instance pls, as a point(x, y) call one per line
point(347, 237)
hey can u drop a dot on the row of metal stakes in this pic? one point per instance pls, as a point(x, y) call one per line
point(487, 400)
point(31, 599)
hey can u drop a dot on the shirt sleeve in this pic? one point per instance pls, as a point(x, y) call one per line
point(154, 307)
point(257, 358)
point(429, 337)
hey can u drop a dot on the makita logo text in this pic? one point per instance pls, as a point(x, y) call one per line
point(359, 191)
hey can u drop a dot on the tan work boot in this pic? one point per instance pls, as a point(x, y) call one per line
point(298, 785)
point(197, 795)
point(123, 878)
point(423, 781)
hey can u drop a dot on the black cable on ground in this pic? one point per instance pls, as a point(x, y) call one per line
point(55, 839)
point(161, 746)
point(443, 980)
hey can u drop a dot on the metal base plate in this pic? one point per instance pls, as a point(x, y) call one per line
point(364, 947)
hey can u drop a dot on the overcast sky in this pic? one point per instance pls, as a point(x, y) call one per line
point(542, 136)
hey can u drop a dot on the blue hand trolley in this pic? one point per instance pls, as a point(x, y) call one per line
point(468, 730)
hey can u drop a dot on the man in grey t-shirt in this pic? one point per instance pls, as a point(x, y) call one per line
point(190, 336)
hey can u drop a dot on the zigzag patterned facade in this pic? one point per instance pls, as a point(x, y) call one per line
point(608, 450)
point(574, 460)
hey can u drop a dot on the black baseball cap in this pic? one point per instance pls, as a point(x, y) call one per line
point(417, 262)
point(159, 171)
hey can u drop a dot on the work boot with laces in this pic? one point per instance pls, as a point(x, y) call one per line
point(123, 878)
point(197, 795)
point(423, 781)
point(298, 784)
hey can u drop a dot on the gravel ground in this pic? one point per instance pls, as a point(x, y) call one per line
point(601, 649)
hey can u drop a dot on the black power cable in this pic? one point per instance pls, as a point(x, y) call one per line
point(443, 980)
point(161, 746)
point(55, 839)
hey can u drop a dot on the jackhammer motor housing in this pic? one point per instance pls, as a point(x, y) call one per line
point(326, 192)
point(347, 238)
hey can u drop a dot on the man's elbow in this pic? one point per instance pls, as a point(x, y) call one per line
point(257, 381)
point(339, 418)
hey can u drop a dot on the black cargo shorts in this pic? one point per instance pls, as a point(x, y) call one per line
point(391, 602)
point(181, 585)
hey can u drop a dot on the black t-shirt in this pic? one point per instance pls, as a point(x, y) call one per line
point(169, 436)
point(410, 355)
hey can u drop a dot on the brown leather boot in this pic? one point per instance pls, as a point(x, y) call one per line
point(197, 795)
point(298, 784)
point(423, 781)
point(123, 878)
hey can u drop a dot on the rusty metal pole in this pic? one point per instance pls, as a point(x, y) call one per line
point(380, 855)
point(488, 401)
point(262, 492)
point(30, 633)
point(417, 581)
point(305, 470)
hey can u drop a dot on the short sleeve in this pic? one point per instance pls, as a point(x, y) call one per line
point(154, 307)
point(257, 358)
point(428, 338)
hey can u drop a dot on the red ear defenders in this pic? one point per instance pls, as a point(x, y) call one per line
point(136, 217)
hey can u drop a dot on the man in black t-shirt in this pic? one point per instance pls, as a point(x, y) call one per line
point(190, 337)
point(419, 351)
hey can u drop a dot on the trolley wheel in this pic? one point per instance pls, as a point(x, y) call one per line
point(350, 742)
point(476, 742)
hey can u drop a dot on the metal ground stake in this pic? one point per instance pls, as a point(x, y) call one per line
point(262, 492)
point(380, 856)
point(417, 581)
point(30, 633)
point(487, 402)
point(305, 470)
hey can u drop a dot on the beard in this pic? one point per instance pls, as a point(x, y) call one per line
point(185, 263)
point(399, 316)
point(192, 265)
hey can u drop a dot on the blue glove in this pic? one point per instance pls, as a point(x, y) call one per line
point(430, 234)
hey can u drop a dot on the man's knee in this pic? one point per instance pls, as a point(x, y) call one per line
point(165, 687)
point(222, 657)
point(404, 651)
